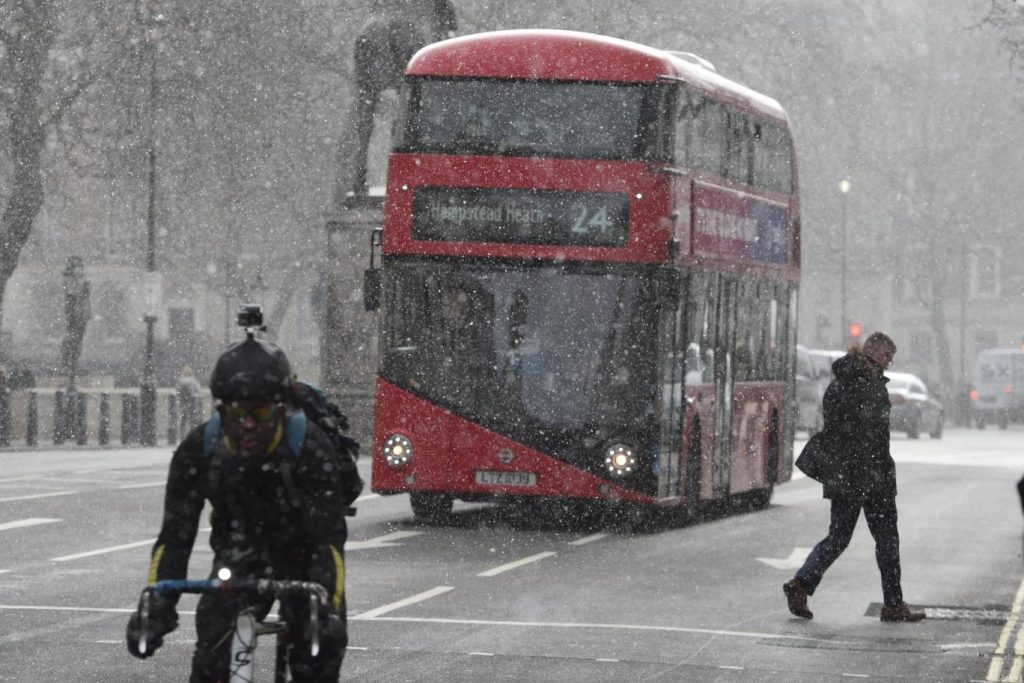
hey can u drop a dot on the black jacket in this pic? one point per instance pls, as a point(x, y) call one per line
point(856, 408)
point(280, 516)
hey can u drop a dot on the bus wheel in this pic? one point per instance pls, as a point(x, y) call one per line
point(761, 498)
point(632, 518)
point(429, 506)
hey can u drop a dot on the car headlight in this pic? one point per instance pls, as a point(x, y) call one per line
point(397, 451)
point(620, 460)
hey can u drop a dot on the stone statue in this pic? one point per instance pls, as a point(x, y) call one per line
point(77, 312)
point(383, 49)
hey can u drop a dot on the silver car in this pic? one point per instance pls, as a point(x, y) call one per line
point(914, 409)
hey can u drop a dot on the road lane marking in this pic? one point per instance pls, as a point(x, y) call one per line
point(995, 667)
point(794, 561)
point(103, 551)
point(147, 485)
point(419, 597)
point(33, 496)
point(65, 608)
point(518, 563)
point(31, 521)
point(480, 654)
point(385, 541)
point(621, 627)
point(588, 539)
point(368, 496)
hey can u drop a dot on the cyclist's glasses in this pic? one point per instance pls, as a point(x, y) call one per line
point(261, 413)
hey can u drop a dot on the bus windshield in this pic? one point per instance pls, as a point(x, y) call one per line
point(543, 350)
point(577, 120)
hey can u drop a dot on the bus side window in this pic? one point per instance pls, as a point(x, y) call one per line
point(737, 148)
point(772, 161)
point(708, 139)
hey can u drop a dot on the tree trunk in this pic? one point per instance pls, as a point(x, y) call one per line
point(29, 54)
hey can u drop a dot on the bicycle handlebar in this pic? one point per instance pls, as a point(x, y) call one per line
point(276, 588)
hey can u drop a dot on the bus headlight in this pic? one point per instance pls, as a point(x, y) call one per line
point(397, 451)
point(620, 460)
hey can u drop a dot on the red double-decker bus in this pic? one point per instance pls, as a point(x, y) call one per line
point(590, 261)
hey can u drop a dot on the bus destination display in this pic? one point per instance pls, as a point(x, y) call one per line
point(518, 216)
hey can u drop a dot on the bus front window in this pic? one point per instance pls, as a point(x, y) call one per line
point(531, 118)
point(526, 352)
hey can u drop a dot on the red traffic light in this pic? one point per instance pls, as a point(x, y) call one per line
point(855, 330)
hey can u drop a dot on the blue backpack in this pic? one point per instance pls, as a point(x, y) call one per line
point(313, 405)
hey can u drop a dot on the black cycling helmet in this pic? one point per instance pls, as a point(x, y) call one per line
point(252, 370)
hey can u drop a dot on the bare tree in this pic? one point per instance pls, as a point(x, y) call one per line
point(43, 71)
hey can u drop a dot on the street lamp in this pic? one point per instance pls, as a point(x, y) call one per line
point(844, 188)
point(147, 390)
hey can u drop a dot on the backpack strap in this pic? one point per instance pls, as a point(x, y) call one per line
point(211, 434)
point(296, 429)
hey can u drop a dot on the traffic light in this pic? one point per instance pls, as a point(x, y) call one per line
point(855, 331)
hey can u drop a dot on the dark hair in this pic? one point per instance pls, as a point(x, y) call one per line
point(252, 370)
point(879, 340)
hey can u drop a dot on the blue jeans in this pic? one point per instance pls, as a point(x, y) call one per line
point(881, 516)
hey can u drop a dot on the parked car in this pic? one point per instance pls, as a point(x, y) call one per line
point(914, 409)
point(813, 373)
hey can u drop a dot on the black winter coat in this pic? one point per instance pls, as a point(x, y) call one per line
point(856, 408)
point(281, 515)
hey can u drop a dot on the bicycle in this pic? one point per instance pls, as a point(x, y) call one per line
point(247, 627)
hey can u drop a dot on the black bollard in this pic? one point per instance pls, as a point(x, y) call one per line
point(127, 423)
point(5, 417)
point(103, 435)
point(32, 426)
point(81, 406)
point(58, 418)
point(172, 419)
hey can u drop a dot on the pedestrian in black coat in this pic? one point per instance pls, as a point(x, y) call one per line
point(856, 409)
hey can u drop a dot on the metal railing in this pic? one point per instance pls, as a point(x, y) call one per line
point(103, 417)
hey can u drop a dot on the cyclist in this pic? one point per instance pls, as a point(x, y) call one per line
point(278, 490)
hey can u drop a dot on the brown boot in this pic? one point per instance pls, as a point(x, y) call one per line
point(901, 612)
point(796, 596)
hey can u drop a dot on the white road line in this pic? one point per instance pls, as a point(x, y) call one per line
point(480, 654)
point(368, 496)
point(103, 551)
point(621, 627)
point(995, 667)
point(38, 495)
point(419, 597)
point(65, 608)
point(518, 563)
point(603, 659)
point(385, 541)
point(31, 521)
point(144, 486)
point(4, 571)
point(588, 539)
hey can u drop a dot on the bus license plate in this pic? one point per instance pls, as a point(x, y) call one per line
point(493, 478)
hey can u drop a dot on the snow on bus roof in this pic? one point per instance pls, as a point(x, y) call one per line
point(574, 55)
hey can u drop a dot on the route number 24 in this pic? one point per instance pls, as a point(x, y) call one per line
point(589, 220)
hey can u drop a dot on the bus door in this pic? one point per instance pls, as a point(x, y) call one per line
point(672, 352)
point(724, 378)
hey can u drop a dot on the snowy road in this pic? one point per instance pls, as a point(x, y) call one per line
point(493, 596)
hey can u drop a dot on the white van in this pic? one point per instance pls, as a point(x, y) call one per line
point(998, 394)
